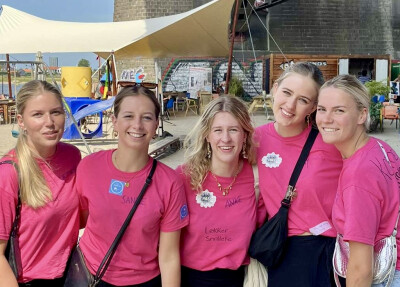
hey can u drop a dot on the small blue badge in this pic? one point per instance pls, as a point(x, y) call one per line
point(184, 211)
point(116, 187)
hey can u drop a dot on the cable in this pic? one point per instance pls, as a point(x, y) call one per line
point(266, 29)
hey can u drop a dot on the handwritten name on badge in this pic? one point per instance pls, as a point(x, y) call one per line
point(116, 187)
point(272, 160)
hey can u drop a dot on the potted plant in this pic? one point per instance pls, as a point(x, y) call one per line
point(376, 89)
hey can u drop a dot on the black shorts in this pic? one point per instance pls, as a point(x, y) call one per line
point(212, 278)
point(307, 263)
point(155, 282)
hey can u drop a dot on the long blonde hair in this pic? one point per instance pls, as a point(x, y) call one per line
point(34, 190)
point(197, 164)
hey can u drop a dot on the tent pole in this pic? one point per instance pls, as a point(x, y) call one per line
point(114, 74)
point(160, 100)
point(229, 71)
point(9, 76)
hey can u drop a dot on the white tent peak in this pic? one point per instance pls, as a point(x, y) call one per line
point(202, 31)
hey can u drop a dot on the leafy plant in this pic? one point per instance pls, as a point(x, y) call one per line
point(236, 87)
point(375, 90)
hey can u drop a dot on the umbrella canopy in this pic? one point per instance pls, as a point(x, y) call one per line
point(203, 31)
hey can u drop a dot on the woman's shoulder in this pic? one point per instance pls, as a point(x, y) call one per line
point(263, 128)
point(96, 158)
point(67, 148)
point(168, 171)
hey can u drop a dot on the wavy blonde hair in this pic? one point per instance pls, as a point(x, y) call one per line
point(34, 190)
point(196, 162)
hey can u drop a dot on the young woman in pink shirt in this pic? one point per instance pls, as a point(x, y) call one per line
point(367, 202)
point(49, 217)
point(219, 185)
point(109, 183)
point(308, 258)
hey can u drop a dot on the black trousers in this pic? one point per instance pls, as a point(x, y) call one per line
point(307, 262)
point(212, 278)
point(58, 282)
point(155, 282)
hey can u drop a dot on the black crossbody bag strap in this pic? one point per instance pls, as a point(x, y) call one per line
point(110, 253)
point(18, 209)
point(299, 166)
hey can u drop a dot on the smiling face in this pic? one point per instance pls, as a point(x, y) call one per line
point(294, 98)
point(42, 121)
point(136, 122)
point(226, 138)
point(339, 120)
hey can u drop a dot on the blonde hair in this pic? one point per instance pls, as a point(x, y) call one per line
point(355, 89)
point(197, 164)
point(34, 190)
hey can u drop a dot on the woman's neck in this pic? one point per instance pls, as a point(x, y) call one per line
point(129, 161)
point(349, 148)
point(226, 169)
point(289, 131)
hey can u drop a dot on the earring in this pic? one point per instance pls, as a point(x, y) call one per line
point(244, 154)
point(25, 132)
point(115, 134)
point(308, 120)
point(208, 150)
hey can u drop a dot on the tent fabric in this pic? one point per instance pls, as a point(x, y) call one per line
point(202, 31)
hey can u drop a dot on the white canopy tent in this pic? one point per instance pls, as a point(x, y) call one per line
point(203, 31)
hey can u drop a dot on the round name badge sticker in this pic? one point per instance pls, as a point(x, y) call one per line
point(206, 199)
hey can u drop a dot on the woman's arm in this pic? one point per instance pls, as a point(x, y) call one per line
point(360, 267)
point(7, 278)
point(169, 259)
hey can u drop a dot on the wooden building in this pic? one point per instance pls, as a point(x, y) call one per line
point(377, 66)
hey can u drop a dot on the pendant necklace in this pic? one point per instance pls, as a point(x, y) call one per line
point(125, 181)
point(225, 190)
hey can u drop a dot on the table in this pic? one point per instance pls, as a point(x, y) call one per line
point(5, 104)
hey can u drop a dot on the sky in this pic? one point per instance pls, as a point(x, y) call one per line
point(64, 10)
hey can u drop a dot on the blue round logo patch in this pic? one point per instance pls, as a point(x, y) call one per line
point(184, 211)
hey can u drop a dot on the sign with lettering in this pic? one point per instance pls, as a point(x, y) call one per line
point(130, 75)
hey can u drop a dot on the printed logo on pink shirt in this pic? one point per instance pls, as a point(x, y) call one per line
point(271, 160)
point(206, 199)
point(184, 211)
point(116, 187)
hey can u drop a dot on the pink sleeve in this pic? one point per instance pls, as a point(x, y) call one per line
point(80, 171)
point(261, 211)
point(362, 213)
point(176, 213)
point(8, 199)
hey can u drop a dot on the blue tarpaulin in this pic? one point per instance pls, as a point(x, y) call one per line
point(90, 110)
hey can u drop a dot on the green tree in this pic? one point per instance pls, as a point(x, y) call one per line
point(83, 63)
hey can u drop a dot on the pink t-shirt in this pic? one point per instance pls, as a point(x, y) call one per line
point(367, 201)
point(311, 210)
point(220, 228)
point(47, 234)
point(103, 194)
